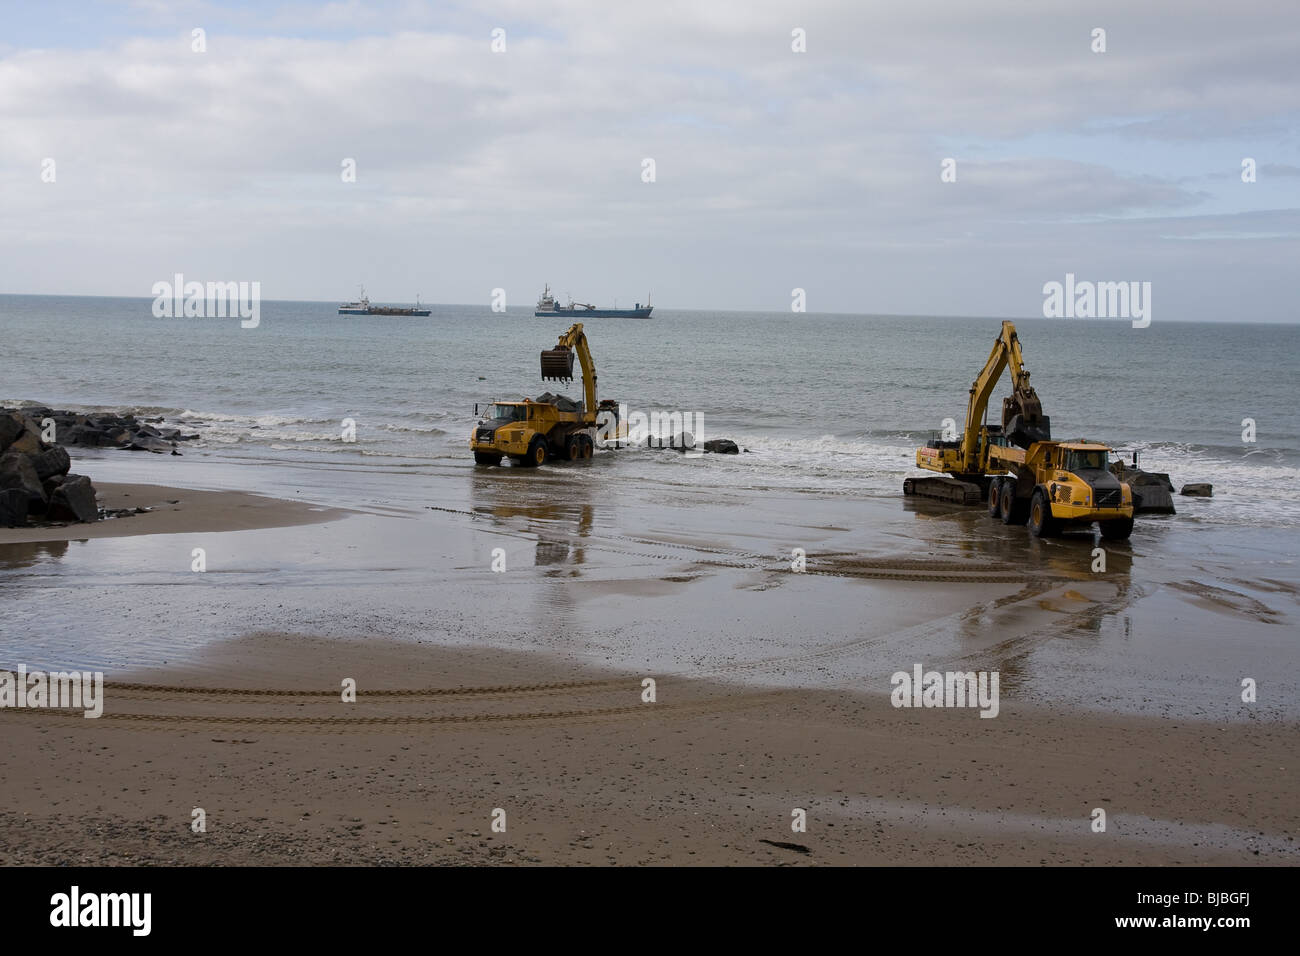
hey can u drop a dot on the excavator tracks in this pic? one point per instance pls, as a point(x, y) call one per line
point(943, 489)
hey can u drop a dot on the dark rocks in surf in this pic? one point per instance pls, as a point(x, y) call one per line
point(28, 425)
point(34, 479)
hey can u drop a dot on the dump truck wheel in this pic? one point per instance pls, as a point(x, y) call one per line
point(585, 448)
point(909, 486)
point(995, 489)
point(536, 452)
point(1041, 523)
point(573, 448)
point(1117, 529)
point(486, 458)
point(1007, 502)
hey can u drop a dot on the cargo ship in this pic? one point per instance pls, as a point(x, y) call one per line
point(363, 307)
point(547, 305)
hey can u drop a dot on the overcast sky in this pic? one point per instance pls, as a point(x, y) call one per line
point(773, 169)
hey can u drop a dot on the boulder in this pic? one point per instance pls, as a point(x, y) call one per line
point(722, 446)
point(29, 442)
point(87, 434)
point(10, 428)
point(1198, 489)
point(681, 441)
point(142, 442)
point(74, 500)
point(53, 462)
point(13, 508)
point(17, 471)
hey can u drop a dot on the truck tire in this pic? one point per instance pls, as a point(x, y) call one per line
point(486, 458)
point(1041, 522)
point(1007, 501)
point(585, 448)
point(1117, 529)
point(995, 494)
point(537, 453)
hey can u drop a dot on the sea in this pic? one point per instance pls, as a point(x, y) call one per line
point(829, 404)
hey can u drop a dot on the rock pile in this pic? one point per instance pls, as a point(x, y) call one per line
point(34, 478)
point(1152, 490)
point(684, 441)
point(102, 430)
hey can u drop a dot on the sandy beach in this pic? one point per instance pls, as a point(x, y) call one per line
point(175, 511)
point(523, 688)
point(589, 773)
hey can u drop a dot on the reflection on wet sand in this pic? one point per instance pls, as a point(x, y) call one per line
point(27, 554)
point(558, 527)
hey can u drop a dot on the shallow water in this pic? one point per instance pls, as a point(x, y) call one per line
point(827, 403)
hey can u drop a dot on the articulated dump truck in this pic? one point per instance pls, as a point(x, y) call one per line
point(1024, 476)
point(530, 432)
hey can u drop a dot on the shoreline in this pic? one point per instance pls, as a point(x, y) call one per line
point(175, 510)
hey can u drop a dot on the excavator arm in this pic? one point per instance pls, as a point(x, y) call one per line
point(557, 365)
point(1023, 421)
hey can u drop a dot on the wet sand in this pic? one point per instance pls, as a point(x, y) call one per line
point(1120, 689)
point(589, 773)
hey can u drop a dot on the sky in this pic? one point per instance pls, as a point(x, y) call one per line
point(479, 169)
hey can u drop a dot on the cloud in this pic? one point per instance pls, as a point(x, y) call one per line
point(525, 160)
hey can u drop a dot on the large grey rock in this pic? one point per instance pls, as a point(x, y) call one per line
point(54, 461)
point(87, 435)
point(17, 471)
point(682, 441)
point(13, 508)
point(10, 428)
point(143, 442)
point(29, 442)
point(1198, 489)
point(722, 446)
point(74, 500)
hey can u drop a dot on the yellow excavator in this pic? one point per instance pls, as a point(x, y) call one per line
point(1016, 467)
point(531, 432)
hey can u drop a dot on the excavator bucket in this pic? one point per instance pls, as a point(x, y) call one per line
point(557, 364)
